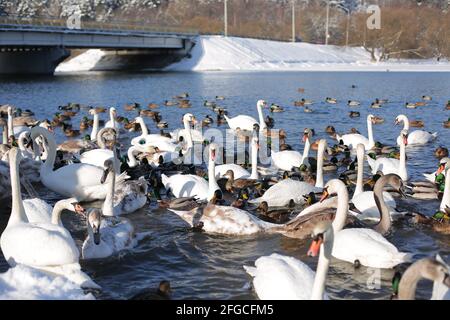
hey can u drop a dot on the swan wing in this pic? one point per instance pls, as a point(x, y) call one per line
point(186, 185)
point(238, 171)
point(286, 160)
point(243, 122)
point(37, 210)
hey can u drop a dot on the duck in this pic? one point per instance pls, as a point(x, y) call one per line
point(280, 215)
point(184, 95)
point(132, 106)
point(220, 98)
point(276, 108)
point(307, 110)
point(207, 103)
point(446, 124)
point(79, 180)
point(361, 246)
point(69, 132)
point(427, 98)
point(432, 269)
point(364, 201)
point(375, 105)
point(163, 292)
point(186, 185)
point(441, 152)
point(246, 123)
point(168, 103)
point(207, 121)
point(354, 114)
point(410, 105)
point(152, 105)
point(353, 139)
point(330, 100)
point(53, 249)
point(238, 184)
point(377, 120)
point(353, 103)
point(416, 123)
point(279, 277)
point(416, 137)
point(330, 130)
point(241, 199)
point(389, 165)
point(77, 145)
point(180, 204)
point(148, 113)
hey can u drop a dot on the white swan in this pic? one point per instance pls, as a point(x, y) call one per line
point(126, 198)
point(365, 245)
point(39, 211)
point(244, 122)
point(416, 137)
point(353, 139)
point(147, 141)
point(238, 171)
point(97, 157)
point(78, 180)
point(188, 185)
point(187, 132)
point(279, 277)
point(390, 165)
point(281, 193)
point(288, 159)
point(320, 154)
point(364, 200)
point(112, 123)
point(45, 246)
point(95, 123)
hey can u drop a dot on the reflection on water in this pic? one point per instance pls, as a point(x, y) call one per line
point(199, 265)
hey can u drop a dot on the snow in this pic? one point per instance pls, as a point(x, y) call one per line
point(218, 53)
point(25, 283)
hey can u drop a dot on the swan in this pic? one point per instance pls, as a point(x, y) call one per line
point(44, 246)
point(146, 141)
point(320, 154)
point(187, 185)
point(364, 201)
point(416, 137)
point(95, 123)
point(78, 180)
point(244, 122)
point(363, 245)
point(352, 139)
point(390, 165)
point(194, 134)
point(441, 289)
point(281, 193)
point(97, 157)
point(126, 198)
point(112, 123)
point(279, 277)
point(427, 268)
point(286, 160)
point(238, 171)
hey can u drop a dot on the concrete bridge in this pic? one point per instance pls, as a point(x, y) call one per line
point(38, 46)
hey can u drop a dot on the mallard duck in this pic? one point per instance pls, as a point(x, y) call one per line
point(132, 106)
point(182, 204)
point(441, 152)
point(69, 132)
point(100, 109)
point(381, 101)
point(447, 123)
point(330, 100)
point(232, 184)
point(447, 107)
point(375, 105)
point(241, 200)
point(185, 105)
point(439, 222)
point(354, 114)
point(377, 120)
point(426, 98)
point(276, 108)
point(270, 122)
point(207, 103)
point(152, 106)
point(420, 104)
point(299, 103)
point(307, 109)
point(163, 292)
point(410, 105)
point(279, 215)
point(184, 95)
point(168, 103)
point(330, 130)
point(84, 124)
point(353, 103)
point(354, 130)
point(24, 113)
point(416, 123)
point(207, 121)
point(220, 98)
point(301, 90)
point(148, 113)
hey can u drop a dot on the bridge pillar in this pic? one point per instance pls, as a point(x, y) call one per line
point(42, 60)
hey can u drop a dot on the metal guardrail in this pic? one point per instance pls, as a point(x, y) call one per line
point(46, 22)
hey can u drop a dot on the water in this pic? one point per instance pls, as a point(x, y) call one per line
point(206, 266)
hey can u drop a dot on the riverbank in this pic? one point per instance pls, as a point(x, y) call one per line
point(217, 53)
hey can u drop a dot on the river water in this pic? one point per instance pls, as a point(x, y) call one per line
point(203, 266)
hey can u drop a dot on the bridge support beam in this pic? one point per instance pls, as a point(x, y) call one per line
point(42, 60)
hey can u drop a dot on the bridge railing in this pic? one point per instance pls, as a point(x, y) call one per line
point(60, 23)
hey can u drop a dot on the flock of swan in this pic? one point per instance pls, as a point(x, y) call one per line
point(348, 217)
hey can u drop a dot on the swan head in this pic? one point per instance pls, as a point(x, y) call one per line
point(93, 111)
point(443, 165)
point(394, 180)
point(400, 118)
point(320, 234)
point(213, 151)
point(307, 134)
point(332, 187)
point(94, 219)
point(113, 112)
point(261, 103)
point(404, 135)
point(189, 117)
point(435, 271)
point(371, 118)
point(10, 111)
point(108, 167)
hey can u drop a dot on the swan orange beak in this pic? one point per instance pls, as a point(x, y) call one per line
point(325, 195)
point(314, 249)
point(440, 169)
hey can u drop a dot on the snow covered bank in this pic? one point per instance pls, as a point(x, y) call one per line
point(25, 283)
point(217, 53)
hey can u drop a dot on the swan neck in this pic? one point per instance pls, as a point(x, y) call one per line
point(342, 208)
point(143, 126)
point(384, 224)
point(306, 150)
point(408, 282)
point(446, 196)
point(108, 205)
point(319, 174)
point(188, 134)
point(405, 122)
point(262, 123)
point(95, 127)
point(10, 124)
point(5, 134)
point(322, 266)
point(212, 184)
point(59, 207)
point(403, 173)
point(51, 147)
point(17, 209)
point(132, 162)
point(370, 133)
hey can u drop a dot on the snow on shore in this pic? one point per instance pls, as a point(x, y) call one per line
point(218, 53)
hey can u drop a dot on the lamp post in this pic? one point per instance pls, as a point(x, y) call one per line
point(326, 26)
point(225, 17)
point(293, 20)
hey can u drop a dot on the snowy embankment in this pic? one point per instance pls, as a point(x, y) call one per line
point(217, 53)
